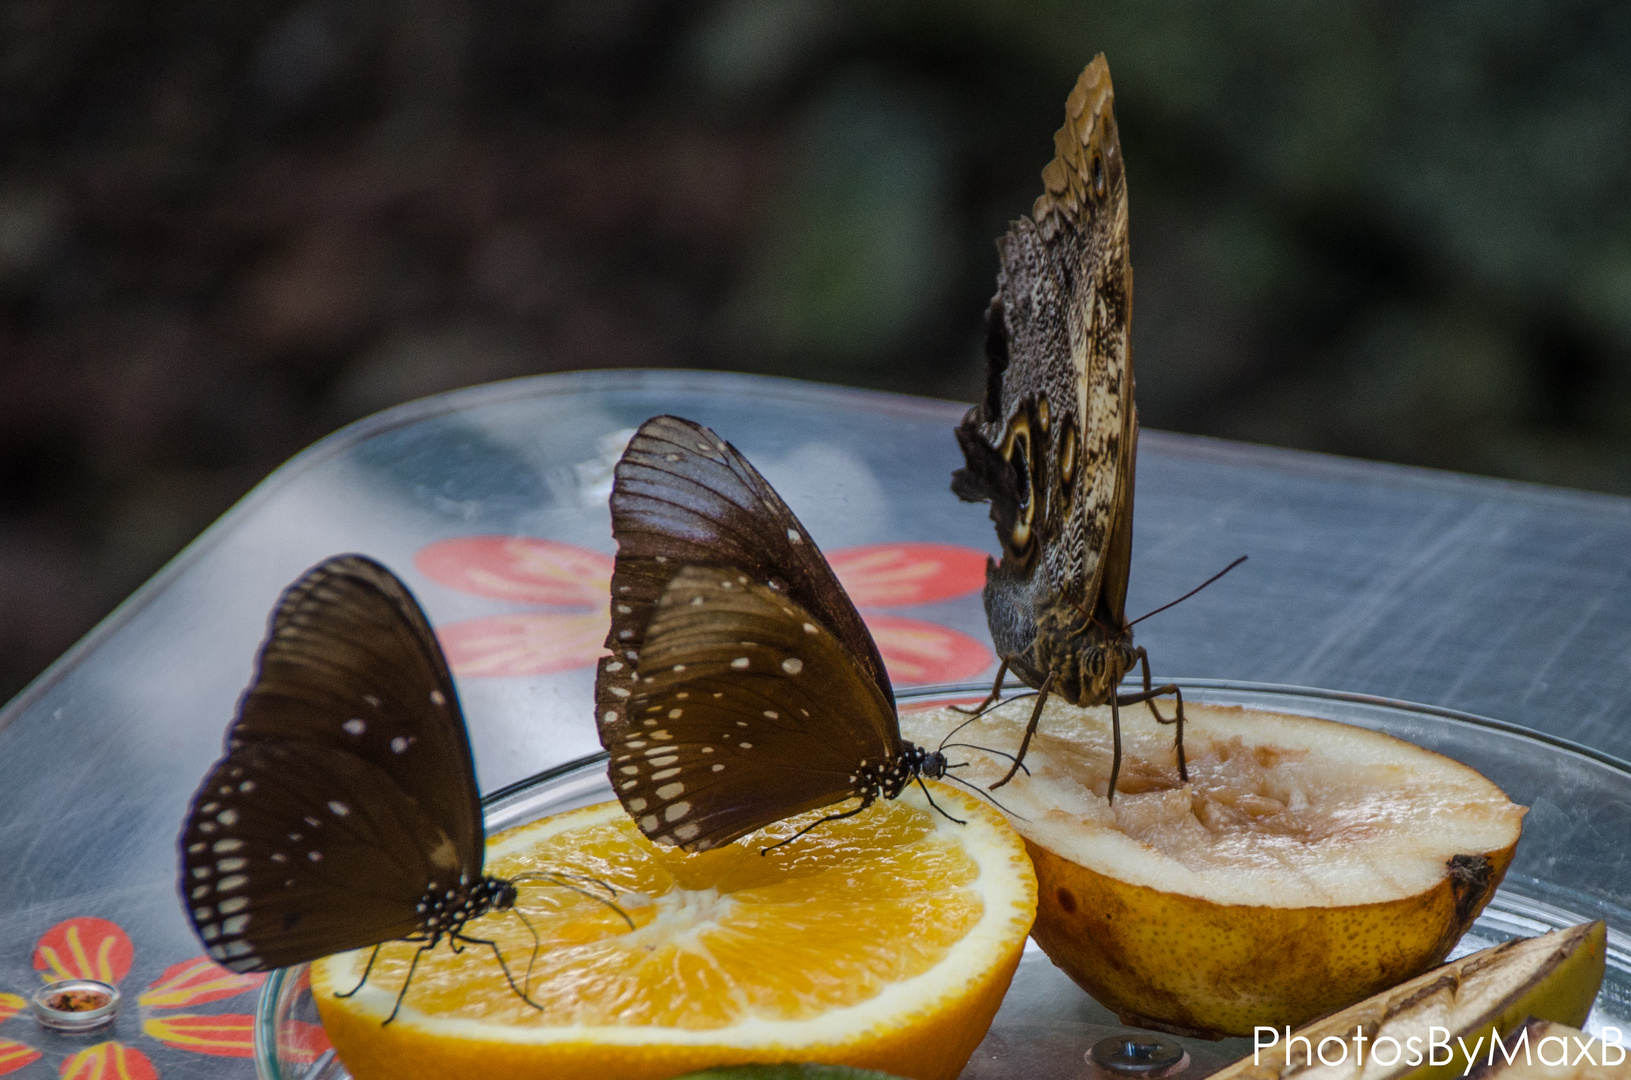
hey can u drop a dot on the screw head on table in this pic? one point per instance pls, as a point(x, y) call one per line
point(1138, 1054)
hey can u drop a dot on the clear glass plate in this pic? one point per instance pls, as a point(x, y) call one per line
point(1573, 865)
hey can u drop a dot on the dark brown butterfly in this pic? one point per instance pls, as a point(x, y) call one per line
point(1053, 443)
point(743, 686)
point(345, 811)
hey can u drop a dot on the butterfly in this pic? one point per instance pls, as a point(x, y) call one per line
point(1052, 445)
point(742, 685)
point(345, 811)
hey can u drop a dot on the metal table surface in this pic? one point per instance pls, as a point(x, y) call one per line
point(1501, 599)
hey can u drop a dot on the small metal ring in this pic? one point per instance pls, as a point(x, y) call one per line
point(48, 1002)
point(1143, 1055)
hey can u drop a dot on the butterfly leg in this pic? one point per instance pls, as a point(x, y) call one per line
point(459, 935)
point(371, 958)
point(866, 800)
point(1115, 734)
point(1148, 696)
point(537, 946)
point(936, 805)
point(417, 953)
point(991, 698)
point(1030, 729)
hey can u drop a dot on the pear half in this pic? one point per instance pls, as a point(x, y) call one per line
point(1306, 864)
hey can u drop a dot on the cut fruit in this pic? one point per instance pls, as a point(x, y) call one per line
point(1553, 1051)
point(884, 941)
point(1457, 1007)
point(1307, 864)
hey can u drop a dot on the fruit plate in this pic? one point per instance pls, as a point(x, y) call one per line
point(1573, 865)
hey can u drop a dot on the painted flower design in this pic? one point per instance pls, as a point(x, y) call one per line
point(92, 948)
point(573, 585)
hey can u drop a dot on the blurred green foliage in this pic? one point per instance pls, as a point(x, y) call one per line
point(1393, 230)
point(1398, 231)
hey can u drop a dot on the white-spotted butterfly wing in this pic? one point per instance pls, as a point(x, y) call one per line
point(748, 711)
point(682, 495)
point(742, 685)
point(347, 790)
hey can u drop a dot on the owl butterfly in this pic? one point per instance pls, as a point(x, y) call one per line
point(344, 812)
point(1052, 444)
point(742, 685)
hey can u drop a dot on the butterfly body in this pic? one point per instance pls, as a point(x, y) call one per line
point(1053, 443)
point(742, 685)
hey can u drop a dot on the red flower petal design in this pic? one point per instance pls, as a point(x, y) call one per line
point(108, 1061)
point(11, 1005)
point(303, 1042)
point(84, 948)
point(918, 652)
point(535, 644)
point(224, 1035)
point(195, 981)
point(529, 570)
point(523, 569)
point(883, 575)
point(14, 1055)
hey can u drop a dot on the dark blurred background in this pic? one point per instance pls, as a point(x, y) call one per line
point(1394, 230)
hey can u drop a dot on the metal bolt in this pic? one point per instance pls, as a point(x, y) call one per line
point(1139, 1055)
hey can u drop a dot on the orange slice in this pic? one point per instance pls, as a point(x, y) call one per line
point(884, 941)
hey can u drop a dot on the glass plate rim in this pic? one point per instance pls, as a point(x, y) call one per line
point(1288, 690)
point(265, 1043)
point(1292, 690)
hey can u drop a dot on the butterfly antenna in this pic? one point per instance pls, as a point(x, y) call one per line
point(981, 711)
point(1190, 593)
point(563, 881)
point(866, 801)
point(956, 729)
point(561, 877)
point(1005, 701)
point(992, 799)
point(984, 750)
point(936, 805)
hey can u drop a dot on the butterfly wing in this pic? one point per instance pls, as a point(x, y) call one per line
point(744, 710)
point(348, 787)
point(1052, 443)
point(295, 850)
point(684, 496)
point(350, 662)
